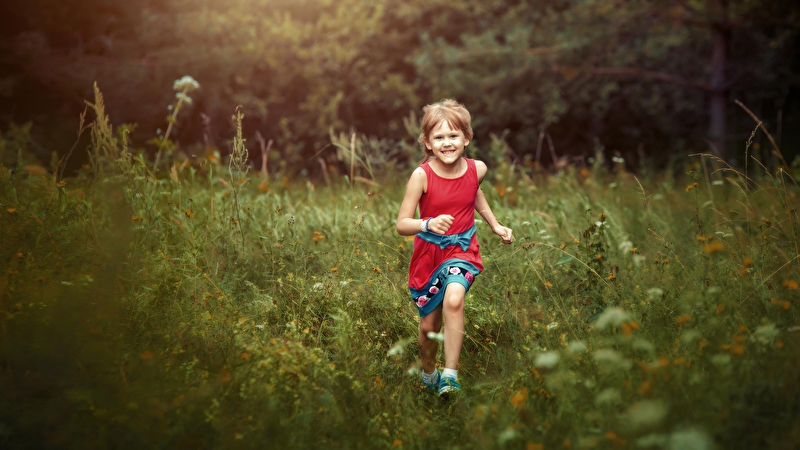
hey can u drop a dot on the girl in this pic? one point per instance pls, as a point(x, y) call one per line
point(446, 255)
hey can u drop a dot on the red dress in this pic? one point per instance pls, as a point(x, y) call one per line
point(455, 257)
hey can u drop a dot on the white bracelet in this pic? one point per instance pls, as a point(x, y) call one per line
point(422, 225)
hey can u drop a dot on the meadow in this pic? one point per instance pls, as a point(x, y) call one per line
point(210, 306)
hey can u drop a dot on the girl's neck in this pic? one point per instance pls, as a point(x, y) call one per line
point(448, 170)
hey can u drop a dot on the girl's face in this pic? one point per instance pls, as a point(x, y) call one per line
point(447, 144)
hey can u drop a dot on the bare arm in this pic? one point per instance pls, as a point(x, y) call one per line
point(482, 206)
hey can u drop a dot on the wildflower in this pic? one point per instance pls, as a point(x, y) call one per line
point(610, 360)
point(608, 396)
point(183, 98)
point(576, 241)
point(634, 250)
point(134, 218)
point(764, 334)
point(602, 217)
point(61, 184)
point(397, 443)
point(714, 247)
point(188, 213)
point(546, 360)
point(646, 413)
point(691, 186)
point(786, 305)
point(655, 293)
point(436, 336)
point(186, 83)
point(548, 284)
point(627, 330)
point(779, 344)
point(534, 446)
point(747, 263)
point(792, 285)
point(598, 257)
point(611, 317)
point(720, 308)
point(11, 210)
point(519, 398)
point(683, 319)
point(624, 246)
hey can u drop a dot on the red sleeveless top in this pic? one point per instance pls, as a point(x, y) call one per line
point(453, 196)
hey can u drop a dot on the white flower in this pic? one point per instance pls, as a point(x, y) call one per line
point(260, 327)
point(608, 396)
point(318, 286)
point(717, 182)
point(691, 439)
point(646, 413)
point(552, 325)
point(436, 336)
point(525, 223)
point(764, 334)
point(611, 316)
point(617, 159)
point(655, 293)
point(577, 347)
point(610, 360)
point(625, 246)
point(396, 350)
point(183, 97)
point(343, 283)
point(186, 83)
point(546, 360)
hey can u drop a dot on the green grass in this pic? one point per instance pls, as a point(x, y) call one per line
point(204, 308)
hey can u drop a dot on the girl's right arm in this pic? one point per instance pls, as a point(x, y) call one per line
point(407, 225)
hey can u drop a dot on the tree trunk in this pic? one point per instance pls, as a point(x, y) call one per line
point(719, 60)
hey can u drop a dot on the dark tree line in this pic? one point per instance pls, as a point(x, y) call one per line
point(638, 78)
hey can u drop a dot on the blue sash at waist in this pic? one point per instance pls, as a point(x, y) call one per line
point(443, 241)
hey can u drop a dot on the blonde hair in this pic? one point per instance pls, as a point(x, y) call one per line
point(447, 110)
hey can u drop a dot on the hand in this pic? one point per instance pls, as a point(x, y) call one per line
point(440, 224)
point(505, 234)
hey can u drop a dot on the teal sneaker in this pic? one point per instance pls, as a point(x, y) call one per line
point(448, 385)
point(433, 385)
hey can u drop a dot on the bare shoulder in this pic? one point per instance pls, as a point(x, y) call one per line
point(480, 166)
point(418, 179)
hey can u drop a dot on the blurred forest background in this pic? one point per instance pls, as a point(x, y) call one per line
point(643, 80)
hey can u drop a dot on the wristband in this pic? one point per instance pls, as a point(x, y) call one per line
point(422, 225)
point(427, 223)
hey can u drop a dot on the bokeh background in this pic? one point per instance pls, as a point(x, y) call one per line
point(556, 79)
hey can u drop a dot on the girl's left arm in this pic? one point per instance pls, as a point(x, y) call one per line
point(482, 206)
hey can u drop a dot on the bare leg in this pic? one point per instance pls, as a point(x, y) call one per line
point(427, 346)
point(453, 307)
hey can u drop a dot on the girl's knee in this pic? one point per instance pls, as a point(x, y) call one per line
point(454, 302)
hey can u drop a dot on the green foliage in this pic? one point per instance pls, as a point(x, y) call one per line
point(633, 76)
point(231, 312)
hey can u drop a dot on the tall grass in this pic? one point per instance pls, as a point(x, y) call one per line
point(203, 308)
